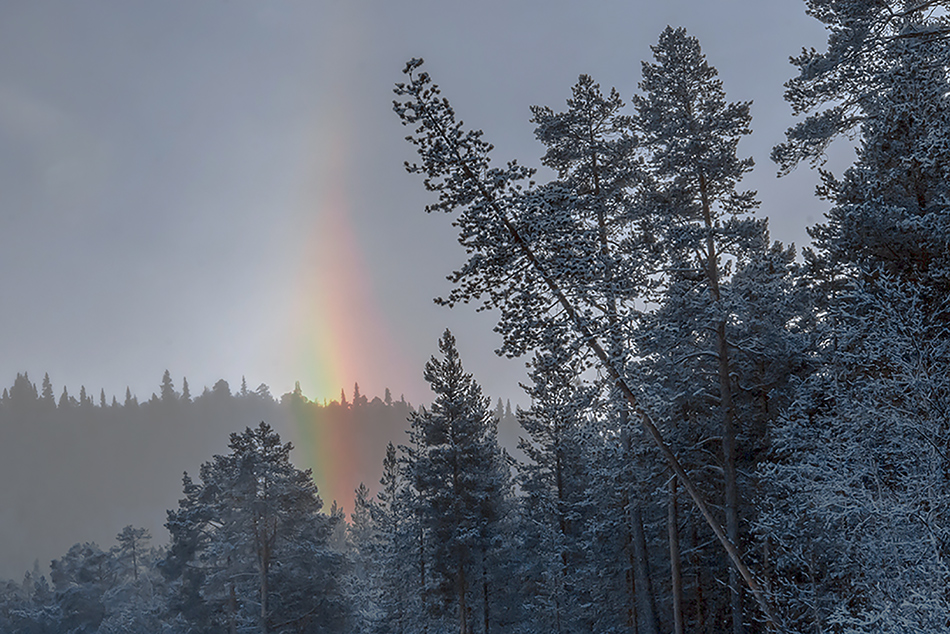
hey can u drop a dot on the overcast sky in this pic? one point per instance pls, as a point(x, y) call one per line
point(216, 187)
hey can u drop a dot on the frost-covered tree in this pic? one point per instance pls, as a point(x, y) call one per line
point(131, 550)
point(858, 507)
point(593, 150)
point(883, 79)
point(249, 547)
point(851, 511)
point(364, 543)
point(461, 479)
point(554, 485)
point(523, 261)
point(400, 555)
point(702, 222)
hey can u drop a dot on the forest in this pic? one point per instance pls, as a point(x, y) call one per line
point(724, 435)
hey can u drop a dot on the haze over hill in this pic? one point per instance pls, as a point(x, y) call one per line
point(78, 469)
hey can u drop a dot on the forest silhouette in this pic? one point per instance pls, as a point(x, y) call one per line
point(79, 468)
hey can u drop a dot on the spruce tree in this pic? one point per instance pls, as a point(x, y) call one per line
point(554, 486)
point(461, 478)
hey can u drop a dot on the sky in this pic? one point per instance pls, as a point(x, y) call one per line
point(217, 188)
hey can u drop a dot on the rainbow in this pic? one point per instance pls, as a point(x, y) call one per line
point(338, 336)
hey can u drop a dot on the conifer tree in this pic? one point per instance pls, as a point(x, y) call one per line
point(858, 447)
point(883, 79)
point(249, 547)
point(168, 394)
point(48, 397)
point(65, 400)
point(364, 544)
point(692, 134)
point(554, 486)
point(591, 146)
point(462, 482)
point(857, 507)
point(130, 401)
point(131, 548)
point(23, 394)
point(521, 261)
point(400, 558)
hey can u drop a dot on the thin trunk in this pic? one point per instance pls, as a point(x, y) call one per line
point(560, 589)
point(727, 409)
point(265, 564)
point(697, 566)
point(675, 564)
point(486, 612)
point(646, 605)
point(729, 462)
point(422, 580)
point(463, 606)
point(632, 616)
point(232, 609)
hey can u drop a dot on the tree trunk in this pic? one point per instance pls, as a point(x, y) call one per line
point(486, 612)
point(646, 605)
point(232, 610)
point(423, 603)
point(675, 563)
point(698, 567)
point(265, 564)
point(727, 408)
point(729, 463)
point(633, 620)
point(561, 581)
point(463, 605)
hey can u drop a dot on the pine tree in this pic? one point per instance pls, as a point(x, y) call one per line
point(522, 261)
point(591, 146)
point(883, 77)
point(855, 452)
point(462, 483)
point(364, 544)
point(554, 487)
point(693, 134)
point(168, 393)
point(400, 561)
point(48, 397)
point(249, 547)
point(131, 549)
point(857, 507)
